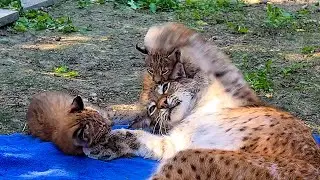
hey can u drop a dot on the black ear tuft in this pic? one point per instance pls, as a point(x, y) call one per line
point(178, 72)
point(77, 105)
point(143, 50)
point(178, 55)
point(78, 138)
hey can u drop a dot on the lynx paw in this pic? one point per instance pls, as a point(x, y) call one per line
point(118, 143)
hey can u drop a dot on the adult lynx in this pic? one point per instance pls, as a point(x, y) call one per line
point(224, 132)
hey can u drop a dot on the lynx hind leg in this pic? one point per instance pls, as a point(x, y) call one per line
point(216, 164)
point(206, 164)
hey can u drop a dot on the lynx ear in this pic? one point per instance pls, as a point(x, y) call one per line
point(175, 55)
point(77, 105)
point(178, 72)
point(143, 50)
point(78, 138)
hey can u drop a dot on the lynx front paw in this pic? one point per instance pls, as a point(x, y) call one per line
point(105, 154)
point(118, 143)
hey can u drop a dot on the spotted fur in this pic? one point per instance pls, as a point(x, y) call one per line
point(164, 64)
point(226, 132)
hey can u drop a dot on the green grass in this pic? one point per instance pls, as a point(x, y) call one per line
point(40, 20)
point(85, 3)
point(278, 18)
point(291, 69)
point(152, 5)
point(260, 79)
point(210, 11)
point(308, 50)
point(64, 71)
point(11, 4)
point(235, 16)
point(237, 28)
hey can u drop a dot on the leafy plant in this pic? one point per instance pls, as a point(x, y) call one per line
point(11, 4)
point(101, 1)
point(211, 11)
point(260, 80)
point(63, 71)
point(39, 20)
point(278, 18)
point(133, 4)
point(308, 49)
point(152, 5)
point(291, 69)
point(65, 25)
point(83, 3)
point(238, 28)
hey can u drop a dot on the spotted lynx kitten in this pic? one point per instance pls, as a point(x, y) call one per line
point(162, 64)
point(64, 120)
point(223, 132)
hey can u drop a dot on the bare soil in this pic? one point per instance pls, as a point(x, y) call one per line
point(110, 68)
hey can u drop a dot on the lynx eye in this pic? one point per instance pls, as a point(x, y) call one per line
point(166, 87)
point(151, 108)
point(150, 71)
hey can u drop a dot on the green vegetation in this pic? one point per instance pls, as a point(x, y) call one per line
point(83, 3)
point(63, 71)
point(308, 50)
point(11, 4)
point(237, 28)
point(152, 5)
point(260, 80)
point(39, 20)
point(289, 70)
point(213, 11)
point(278, 18)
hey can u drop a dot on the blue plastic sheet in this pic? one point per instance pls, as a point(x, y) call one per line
point(25, 157)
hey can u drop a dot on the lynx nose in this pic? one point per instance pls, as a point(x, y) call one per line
point(163, 103)
point(157, 80)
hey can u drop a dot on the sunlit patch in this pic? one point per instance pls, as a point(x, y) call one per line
point(317, 54)
point(252, 1)
point(48, 173)
point(121, 107)
point(104, 38)
point(247, 48)
point(15, 155)
point(294, 57)
point(301, 57)
point(50, 43)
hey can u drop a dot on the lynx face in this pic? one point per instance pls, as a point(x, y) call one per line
point(161, 66)
point(91, 124)
point(157, 120)
point(171, 107)
point(91, 127)
point(64, 120)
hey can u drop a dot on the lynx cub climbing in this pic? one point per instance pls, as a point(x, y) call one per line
point(164, 65)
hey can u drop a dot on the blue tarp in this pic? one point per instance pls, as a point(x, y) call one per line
point(23, 156)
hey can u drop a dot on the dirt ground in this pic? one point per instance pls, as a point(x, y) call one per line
point(110, 68)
